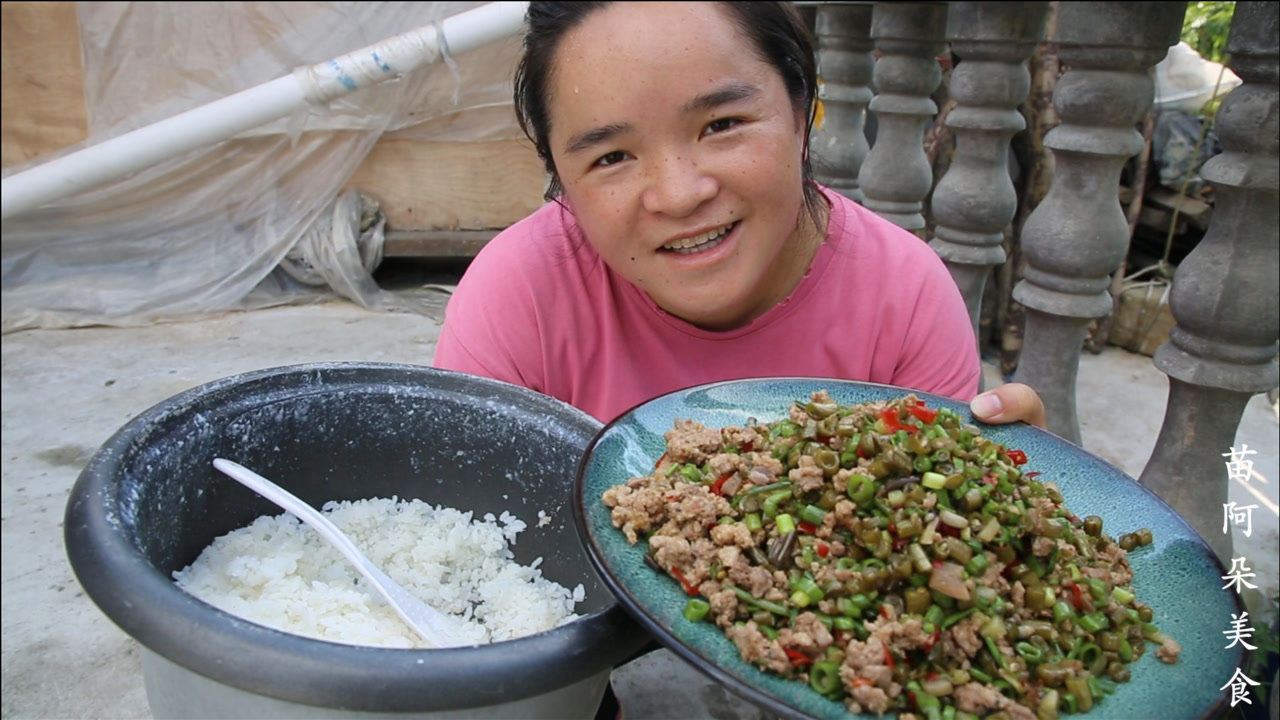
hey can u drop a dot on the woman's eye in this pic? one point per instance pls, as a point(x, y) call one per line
point(607, 159)
point(720, 125)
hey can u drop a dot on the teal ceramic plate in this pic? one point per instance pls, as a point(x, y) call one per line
point(1178, 575)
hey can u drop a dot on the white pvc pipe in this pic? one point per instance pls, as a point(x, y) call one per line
point(221, 119)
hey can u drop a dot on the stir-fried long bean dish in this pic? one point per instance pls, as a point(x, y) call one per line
point(893, 558)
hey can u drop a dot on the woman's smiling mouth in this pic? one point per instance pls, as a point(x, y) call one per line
point(702, 242)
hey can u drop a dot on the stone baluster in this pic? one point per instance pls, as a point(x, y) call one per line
point(896, 176)
point(845, 64)
point(1076, 238)
point(975, 200)
point(1222, 348)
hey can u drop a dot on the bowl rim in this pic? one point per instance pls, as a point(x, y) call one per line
point(156, 612)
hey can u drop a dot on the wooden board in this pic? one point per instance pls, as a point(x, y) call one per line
point(451, 186)
point(42, 106)
point(1194, 210)
point(435, 243)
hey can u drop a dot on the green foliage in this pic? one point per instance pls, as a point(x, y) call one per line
point(1205, 28)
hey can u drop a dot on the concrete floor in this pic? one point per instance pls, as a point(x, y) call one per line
point(66, 391)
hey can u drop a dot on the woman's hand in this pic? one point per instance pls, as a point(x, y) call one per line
point(1009, 403)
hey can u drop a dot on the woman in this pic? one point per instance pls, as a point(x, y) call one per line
point(688, 242)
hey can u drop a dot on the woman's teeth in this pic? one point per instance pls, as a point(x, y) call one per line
point(699, 243)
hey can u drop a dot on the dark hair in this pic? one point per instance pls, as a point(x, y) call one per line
point(775, 29)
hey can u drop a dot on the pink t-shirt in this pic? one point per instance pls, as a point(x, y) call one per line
point(538, 307)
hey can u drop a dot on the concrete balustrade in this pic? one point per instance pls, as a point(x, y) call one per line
point(845, 65)
point(1078, 235)
point(975, 200)
point(896, 176)
point(1224, 299)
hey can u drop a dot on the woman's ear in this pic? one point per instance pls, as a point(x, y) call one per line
point(802, 120)
point(802, 133)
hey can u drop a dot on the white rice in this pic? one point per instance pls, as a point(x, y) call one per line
point(278, 572)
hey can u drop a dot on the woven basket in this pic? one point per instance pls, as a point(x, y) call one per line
point(1142, 316)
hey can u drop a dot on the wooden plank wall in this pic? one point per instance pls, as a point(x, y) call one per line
point(469, 186)
point(42, 88)
point(422, 186)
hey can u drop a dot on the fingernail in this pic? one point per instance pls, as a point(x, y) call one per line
point(987, 405)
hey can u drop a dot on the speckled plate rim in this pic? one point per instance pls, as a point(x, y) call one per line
point(789, 698)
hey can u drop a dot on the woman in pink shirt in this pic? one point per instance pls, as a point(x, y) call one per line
point(687, 241)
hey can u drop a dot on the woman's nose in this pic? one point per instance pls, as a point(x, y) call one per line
point(677, 186)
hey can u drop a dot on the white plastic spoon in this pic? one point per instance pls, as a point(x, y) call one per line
point(437, 628)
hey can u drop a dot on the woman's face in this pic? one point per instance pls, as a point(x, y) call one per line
point(680, 154)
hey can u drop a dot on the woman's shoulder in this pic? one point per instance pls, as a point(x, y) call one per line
point(872, 240)
point(533, 251)
point(848, 218)
point(544, 235)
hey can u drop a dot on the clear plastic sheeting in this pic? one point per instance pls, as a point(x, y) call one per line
point(208, 231)
point(1186, 81)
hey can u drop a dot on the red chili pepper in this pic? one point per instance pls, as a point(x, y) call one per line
point(990, 479)
point(933, 639)
point(884, 612)
point(925, 414)
point(1017, 456)
point(806, 527)
point(900, 543)
point(861, 453)
point(715, 487)
point(890, 417)
point(748, 446)
point(1034, 473)
point(688, 588)
point(888, 658)
point(1077, 597)
point(859, 681)
point(659, 463)
point(822, 549)
point(797, 658)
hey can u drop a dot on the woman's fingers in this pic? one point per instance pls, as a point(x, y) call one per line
point(1009, 403)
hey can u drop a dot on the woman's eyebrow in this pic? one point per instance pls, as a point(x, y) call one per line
point(596, 136)
point(731, 92)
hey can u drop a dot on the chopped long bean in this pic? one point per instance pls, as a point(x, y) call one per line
point(696, 609)
point(870, 518)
